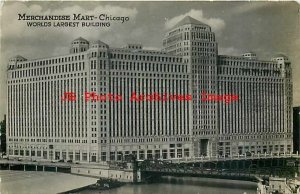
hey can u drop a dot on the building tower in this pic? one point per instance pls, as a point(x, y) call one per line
point(286, 72)
point(79, 45)
point(195, 42)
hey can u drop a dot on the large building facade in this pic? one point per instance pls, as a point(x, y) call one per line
point(42, 124)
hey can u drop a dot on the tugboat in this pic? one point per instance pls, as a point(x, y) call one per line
point(105, 183)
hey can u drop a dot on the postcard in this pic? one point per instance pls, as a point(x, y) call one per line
point(149, 97)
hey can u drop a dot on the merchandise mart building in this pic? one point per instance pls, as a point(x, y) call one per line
point(41, 125)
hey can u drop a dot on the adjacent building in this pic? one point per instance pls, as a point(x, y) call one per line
point(44, 125)
point(296, 129)
point(3, 135)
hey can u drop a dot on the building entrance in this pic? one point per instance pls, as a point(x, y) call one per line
point(203, 146)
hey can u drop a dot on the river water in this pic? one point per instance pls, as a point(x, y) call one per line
point(12, 182)
point(186, 185)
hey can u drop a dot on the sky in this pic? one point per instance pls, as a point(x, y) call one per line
point(266, 28)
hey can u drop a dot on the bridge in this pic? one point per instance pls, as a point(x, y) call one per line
point(233, 167)
point(247, 167)
point(34, 166)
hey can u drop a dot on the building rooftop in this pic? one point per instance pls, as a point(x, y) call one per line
point(18, 57)
point(80, 39)
point(189, 20)
point(279, 55)
point(99, 42)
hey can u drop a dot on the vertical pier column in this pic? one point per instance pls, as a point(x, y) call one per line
point(298, 166)
point(24, 167)
point(56, 169)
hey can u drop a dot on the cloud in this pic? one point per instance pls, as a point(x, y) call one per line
point(59, 50)
point(216, 24)
point(229, 51)
point(249, 7)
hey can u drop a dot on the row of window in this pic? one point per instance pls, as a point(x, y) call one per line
point(50, 61)
point(47, 78)
point(155, 67)
point(247, 63)
point(248, 72)
point(137, 57)
point(48, 70)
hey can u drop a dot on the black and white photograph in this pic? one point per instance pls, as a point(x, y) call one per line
point(150, 97)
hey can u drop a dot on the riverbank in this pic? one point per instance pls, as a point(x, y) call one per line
point(101, 185)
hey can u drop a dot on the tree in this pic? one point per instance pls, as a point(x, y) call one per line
point(3, 135)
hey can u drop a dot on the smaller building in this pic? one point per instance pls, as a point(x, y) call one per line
point(296, 129)
point(250, 55)
point(278, 185)
point(2, 137)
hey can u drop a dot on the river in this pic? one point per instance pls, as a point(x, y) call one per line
point(12, 182)
point(186, 185)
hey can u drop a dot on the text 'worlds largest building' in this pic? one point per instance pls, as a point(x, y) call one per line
point(41, 124)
